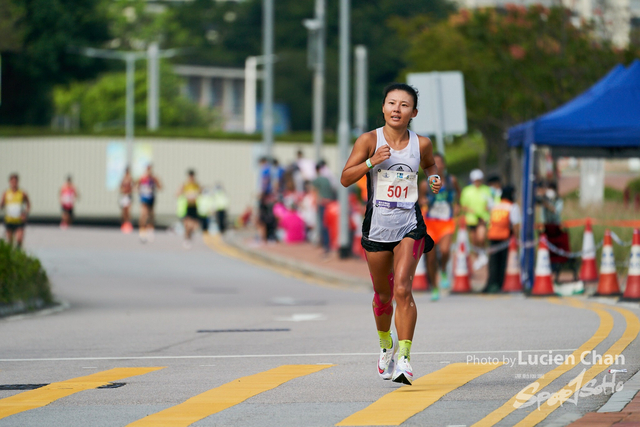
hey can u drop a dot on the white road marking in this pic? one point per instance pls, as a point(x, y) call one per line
point(248, 356)
point(301, 317)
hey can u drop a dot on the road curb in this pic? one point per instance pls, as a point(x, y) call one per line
point(300, 267)
point(58, 306)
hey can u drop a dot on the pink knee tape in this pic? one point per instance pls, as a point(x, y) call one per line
point(379, 308)
point(418, 248)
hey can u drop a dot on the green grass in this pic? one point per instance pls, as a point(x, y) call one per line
point(610, 195)
point(22, 278)
point(610, 210)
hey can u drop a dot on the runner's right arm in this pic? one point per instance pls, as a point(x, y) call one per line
point(363, 149)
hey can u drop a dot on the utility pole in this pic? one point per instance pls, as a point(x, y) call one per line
point(267, 92)
point(360, 107)
point(153, 87)
point(317, 32)
point(130, 60)
point(343, 124)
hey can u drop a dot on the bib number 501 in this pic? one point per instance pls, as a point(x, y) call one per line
point(396, 191)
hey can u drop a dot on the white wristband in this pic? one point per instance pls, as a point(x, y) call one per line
point(368, 163)
point(432, 176)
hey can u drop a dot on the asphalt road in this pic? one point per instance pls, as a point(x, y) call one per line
point(215, 341)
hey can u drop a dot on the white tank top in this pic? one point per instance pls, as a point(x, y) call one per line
point(391, 224)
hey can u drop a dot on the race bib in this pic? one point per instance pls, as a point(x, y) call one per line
point(146, 190)
point(191, 196)
point(68, 199)
point(440, 210)
point(14, 210)
point(397, 189)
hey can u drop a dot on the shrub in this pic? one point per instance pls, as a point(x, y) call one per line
point(22, 278)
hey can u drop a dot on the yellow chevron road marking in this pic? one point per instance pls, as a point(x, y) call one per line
point(396, 407)
point(605, 327)
point(562, 395)
point(225, 396)
point(44, 395)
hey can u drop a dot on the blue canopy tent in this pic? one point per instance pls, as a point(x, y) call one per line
point(604, 121)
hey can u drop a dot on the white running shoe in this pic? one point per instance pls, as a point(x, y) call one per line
point(403, 372)
point(386, 363)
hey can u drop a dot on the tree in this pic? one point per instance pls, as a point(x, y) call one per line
point(518, 62)
point(225, 33)
point(102, 102)
point(36, 55)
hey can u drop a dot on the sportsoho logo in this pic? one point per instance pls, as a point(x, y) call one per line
point(575, 390)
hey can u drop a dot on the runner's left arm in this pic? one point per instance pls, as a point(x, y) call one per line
point(27, 204)
point(428, 164)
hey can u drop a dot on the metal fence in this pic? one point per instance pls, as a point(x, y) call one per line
point(43, 164)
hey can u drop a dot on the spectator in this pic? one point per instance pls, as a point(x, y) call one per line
point(265, 182)
point(277, 179)
point(325, 194)
point(220, 206)
point(306, 167)
point(309, 211)
point(504, 223)
point(495, 188)
point(474, 202)
point(552, 204)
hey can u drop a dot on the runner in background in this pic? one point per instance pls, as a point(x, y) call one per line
point(189, 193)
point(147, 186)
point(16, 205)
point(125, 199)
point(68, 197)
point(441, 209)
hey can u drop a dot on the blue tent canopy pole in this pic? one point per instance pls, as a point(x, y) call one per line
point(528, 218)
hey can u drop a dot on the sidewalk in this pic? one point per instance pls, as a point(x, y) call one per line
point(309, 261)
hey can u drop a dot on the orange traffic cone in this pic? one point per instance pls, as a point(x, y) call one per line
point(542, 284)
point(588, 270)
point(632, 292)
point(512, 281)
point(420, 281)
point(461, 283)
point(608, 283)
point(463, 235)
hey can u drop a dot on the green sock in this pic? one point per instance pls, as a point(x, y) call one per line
point(385, 339)
point(404, 349)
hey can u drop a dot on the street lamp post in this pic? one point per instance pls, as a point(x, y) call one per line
point(343, 124)
point(267, 88)
point(317, 31)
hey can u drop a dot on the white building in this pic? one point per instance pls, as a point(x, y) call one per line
point(614, 18)
point(226, 91)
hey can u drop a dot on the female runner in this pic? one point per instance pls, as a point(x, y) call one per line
point(394, 235)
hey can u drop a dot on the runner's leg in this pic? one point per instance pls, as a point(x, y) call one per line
point(406, 257)
point(381, 269)
point(19, 236)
